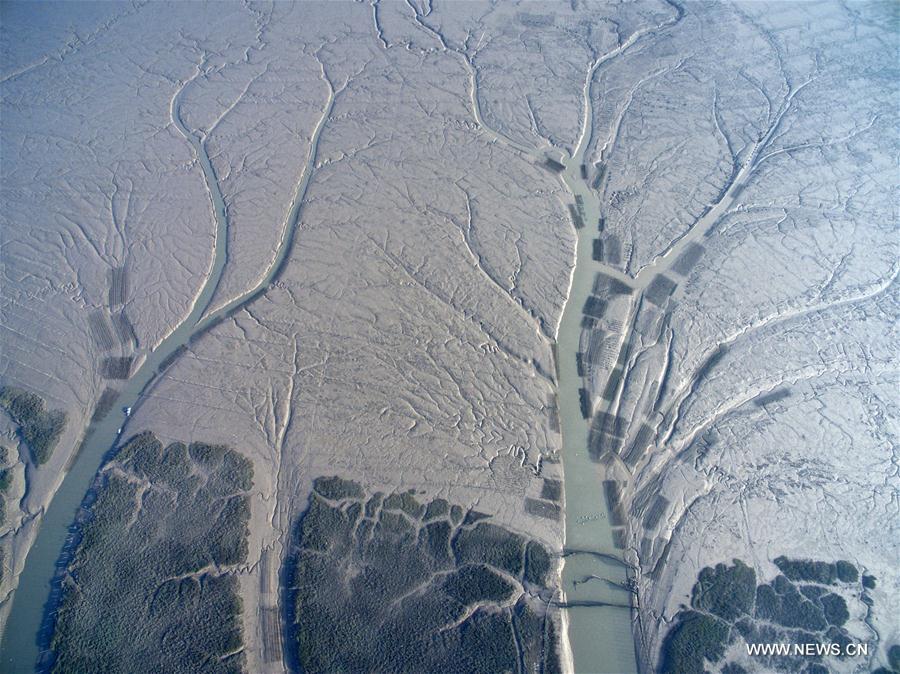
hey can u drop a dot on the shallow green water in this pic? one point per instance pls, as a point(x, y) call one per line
point(600, 637)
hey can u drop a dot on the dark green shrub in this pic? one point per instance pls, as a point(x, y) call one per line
point(143, 591)
point(406, 502)
point(492, 545)
point(386, 594)
point(456, 514)
point(476, 583)
point(846, 572)
point(437, 508)
point(695, 639)
point(894, 657)
point(835, 609)
point(789, 608)
point(335, 488)
point(474, 516)
point(725, 591)
point(435, 538)
point(807, 570)
point(813, 592)
point(373, 504)
point(39, 428)
point(537, 563)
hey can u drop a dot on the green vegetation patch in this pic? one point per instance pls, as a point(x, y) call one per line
point(408, 587)
point(835, 609)
point(727, 603)
point(490, 544)
point(146, 590)
point(437, 508)
point(39, 427)
point(813, 571)
point(476, 583)
point(695, 639)
point(406, 502)
point(537, 564)
point(725, 591)
point(335, 488)
point(786, 606)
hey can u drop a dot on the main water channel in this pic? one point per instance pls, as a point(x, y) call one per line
point(598, 609)
point(27, 628)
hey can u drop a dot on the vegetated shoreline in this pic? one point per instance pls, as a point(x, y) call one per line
point(49, 617)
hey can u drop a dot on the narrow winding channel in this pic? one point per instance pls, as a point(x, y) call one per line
point(28, 630)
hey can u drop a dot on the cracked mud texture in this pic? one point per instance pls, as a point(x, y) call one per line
point(746, 152)
point(149, 587)
point(810, 605)
point(394, 584)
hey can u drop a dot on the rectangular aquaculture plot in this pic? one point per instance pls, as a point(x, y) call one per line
point(553, 165)
point(553, 420)
point(601, 171)
point(646, 548)
point(104, 404)
point(656, 511)
point(551, 490)
point(660, 290)
point(124, 329)
point(612, 384)
point(116, 367)
point(543, 509)
point(613, 502)
point(594, 306)
point(117, 286)
point(553, 412)
point(600, 443)
point(688, 258)
point(612, 249)
point(101, 332)
point(597, 344)
point(609, 423)
point(639, 445)
point(607, 285)
point(576, 217)
point(584, 399)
